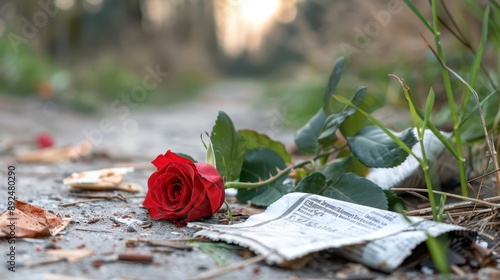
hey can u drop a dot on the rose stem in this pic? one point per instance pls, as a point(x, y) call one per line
point(240, 185)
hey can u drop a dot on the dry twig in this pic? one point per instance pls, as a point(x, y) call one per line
point(229, 268)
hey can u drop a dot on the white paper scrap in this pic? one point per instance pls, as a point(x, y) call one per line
point(388, 178)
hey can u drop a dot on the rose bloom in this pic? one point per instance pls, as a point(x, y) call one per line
point(181, 191)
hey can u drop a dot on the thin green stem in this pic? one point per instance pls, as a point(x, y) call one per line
point(451, 101)
point(446, 142)
point(424, 163)
point(439, 253)
point(428, 182)
point(254, 185)
point(381, 126)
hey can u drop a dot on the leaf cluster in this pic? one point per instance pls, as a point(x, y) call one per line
point(341, 148)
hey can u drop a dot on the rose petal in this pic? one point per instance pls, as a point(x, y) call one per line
point(169, 157)
point(185, 174)
point(215, 194)
point(174, 197)
point(209, 172)
point(197, 209)
point(153, 212)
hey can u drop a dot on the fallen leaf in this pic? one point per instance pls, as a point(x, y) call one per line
point(105, 177)
point(30, 221)
point(102, 180)
point(51, 155)
point(70, 256)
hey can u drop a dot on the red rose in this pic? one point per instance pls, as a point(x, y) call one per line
point(181, 191)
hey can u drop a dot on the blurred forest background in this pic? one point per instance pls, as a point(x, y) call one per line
point(85, 53)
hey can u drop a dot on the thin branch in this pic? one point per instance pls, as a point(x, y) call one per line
point(484, 175)
point(93, 230)
point(458, 213)
point(80, 201)
point(229, 268)
point(421, 196)
point(484, 202)
point(279, 175)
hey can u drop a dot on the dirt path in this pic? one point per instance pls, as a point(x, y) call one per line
point(121, 135)
point(177, 128)
point(142, 132)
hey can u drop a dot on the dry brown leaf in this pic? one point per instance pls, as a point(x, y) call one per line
point(298, 263)
point(483, 256)
point(51, 155)
point(70, 256)
point(31, 221)
point(105, 177)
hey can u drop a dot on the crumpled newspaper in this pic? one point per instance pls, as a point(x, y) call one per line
point(299, 224)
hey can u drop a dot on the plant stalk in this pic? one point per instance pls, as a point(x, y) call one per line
point(451, 101)
point(279, 175)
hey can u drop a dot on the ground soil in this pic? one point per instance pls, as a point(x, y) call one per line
point(153, 132)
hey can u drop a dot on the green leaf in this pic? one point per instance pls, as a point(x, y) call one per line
point(333, 122)
point(474, 72)
point(306, 137)
point(433, 128)
point(356, 120)
point(228, 147)
point(428, 108)
point(374, 148)
point(416, 11)
point(335, 168)
point(259, 164)
point(330, 126)
point(333, 81)
point(255, 140)
point(356, 189)
point(348, 187)
point(395, 202)
point(271, 194)
point(356, 100)
point(313, 183)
